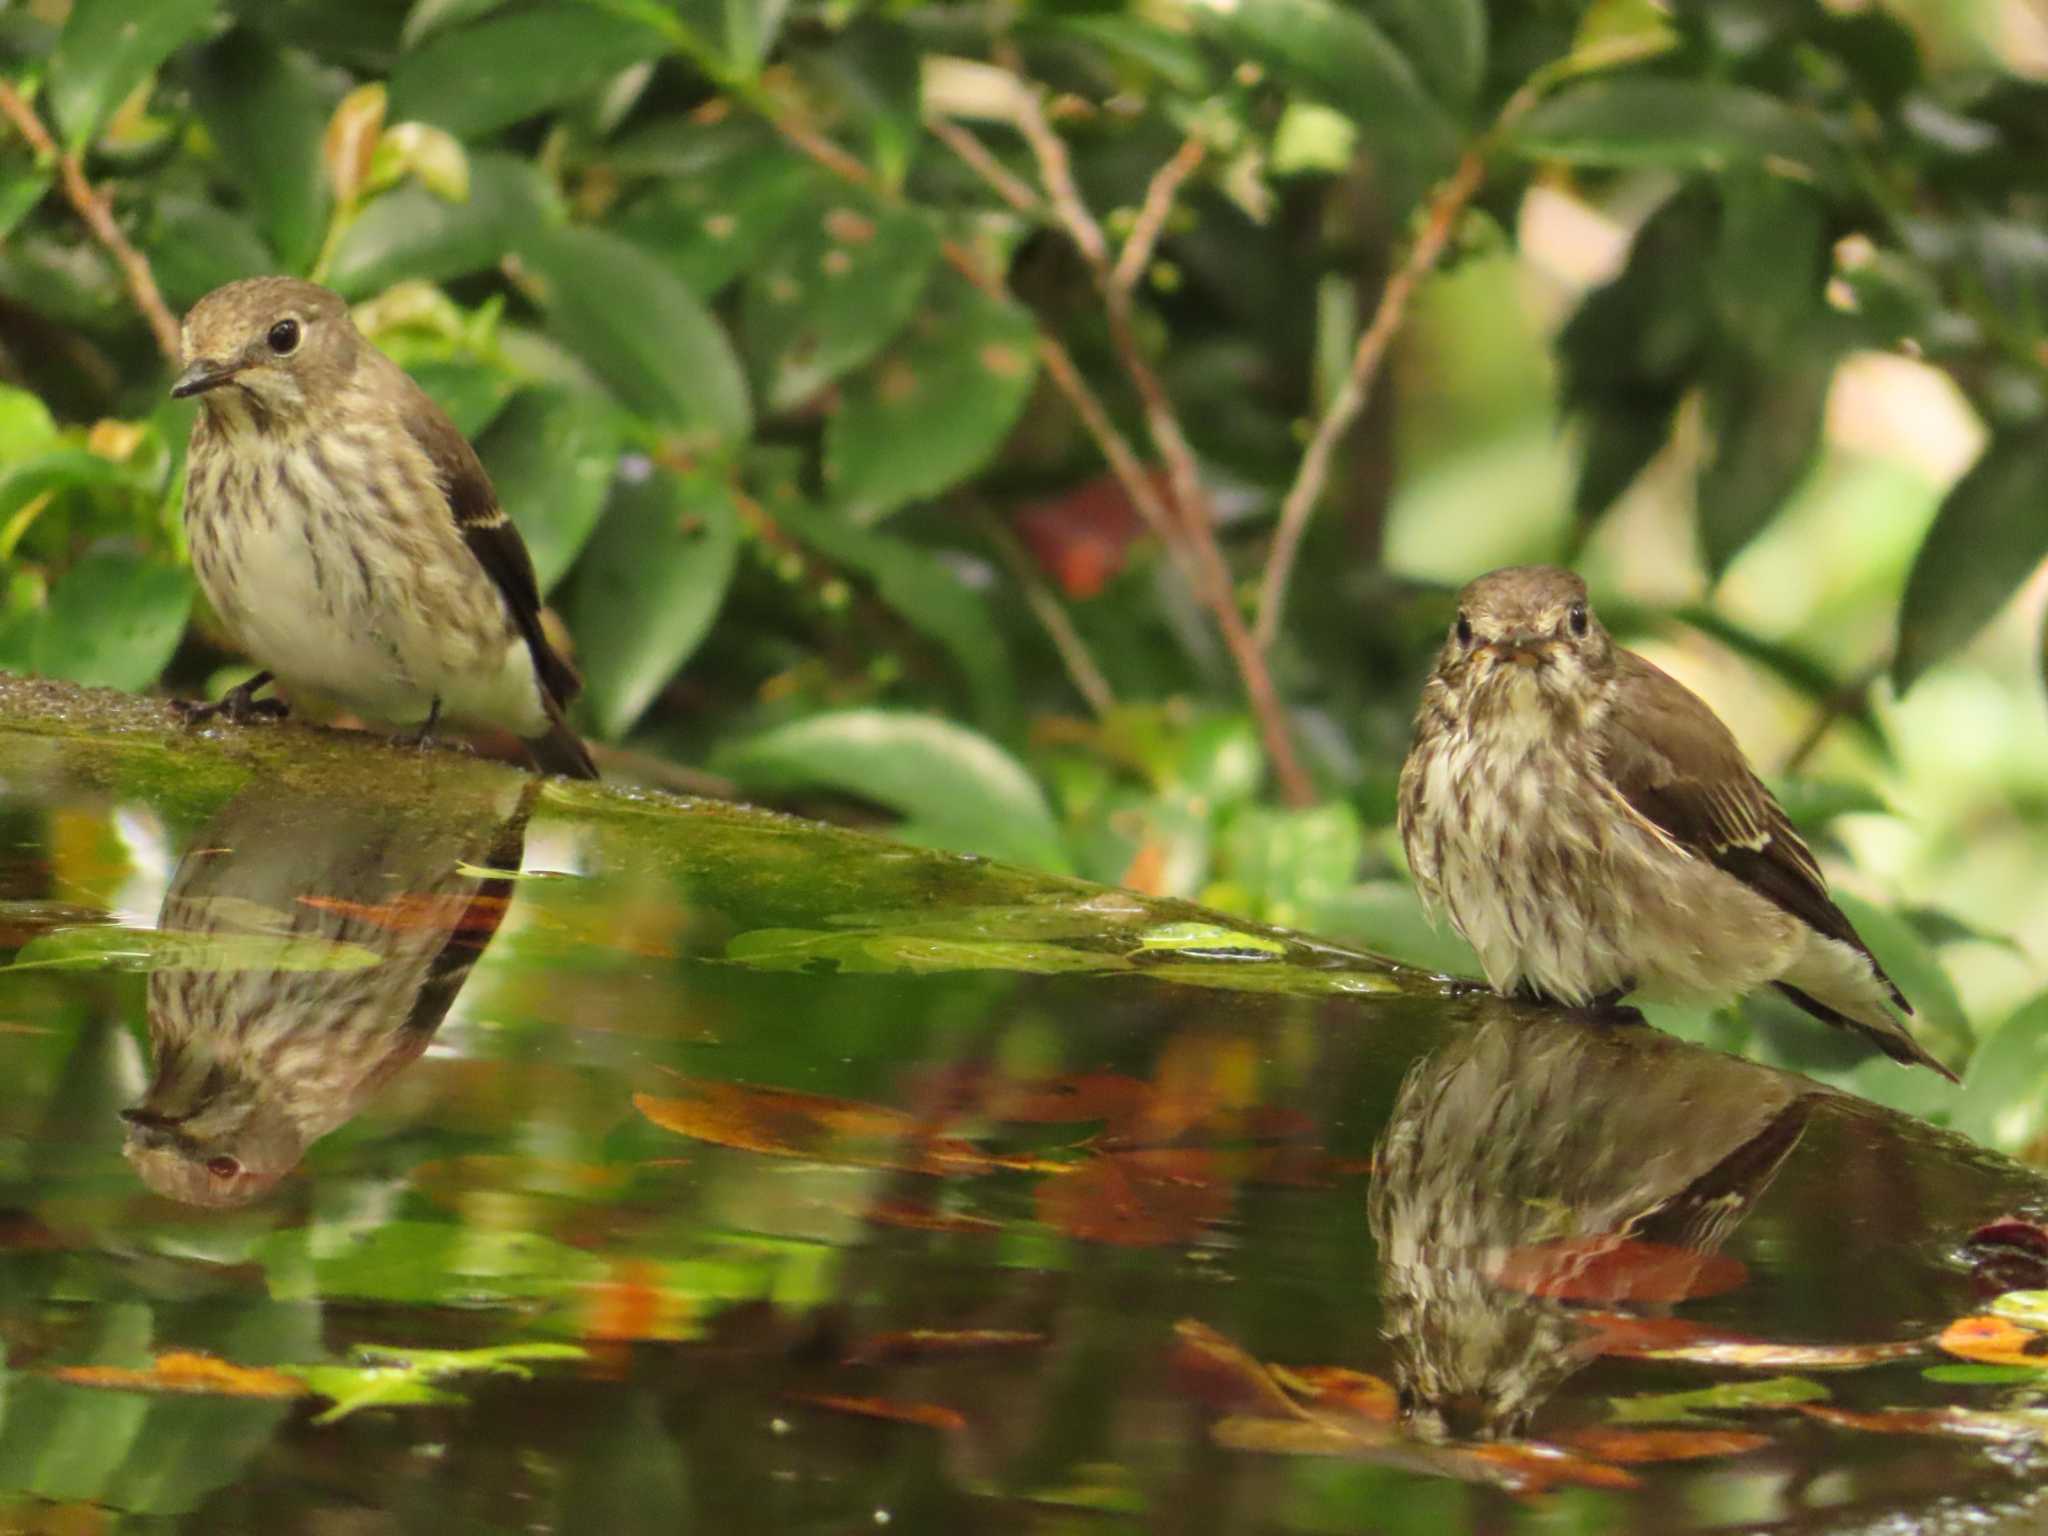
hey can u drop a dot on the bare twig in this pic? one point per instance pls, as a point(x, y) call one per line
point(1439, 223)
point(1160, 192)
point(1056, 170)
point(1838, 705)
point(1013, 190)
point(99, 218)
point(1052, 614)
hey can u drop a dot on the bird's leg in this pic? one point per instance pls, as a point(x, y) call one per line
point(424, 736)
point(238, 706)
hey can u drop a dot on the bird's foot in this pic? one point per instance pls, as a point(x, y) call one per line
point(422, 739)
point(238, 706)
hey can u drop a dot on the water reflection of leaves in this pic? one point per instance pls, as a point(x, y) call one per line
point(1618, 1269)
point(141, 949)
point(2012, 1425)
point(1137, 1199)
point(1729, 1397)
point(781, 1122)
point(930, 1415)
point(1608, 1443)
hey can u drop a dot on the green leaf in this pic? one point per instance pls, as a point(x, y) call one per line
point(1766, 419)
point(429, 16)
point(551, 455)
point(476, 79)
point(718, 222)
point(194, 246)
point(1291, 861)
point(1729, 1397)
point(266, 109)
point(2029, 1308)
point(871, 953)
point(959, 788)
point(1987, 538)
point(425, 1263)
point(1652, 120)
point(390, 1378)
point(1207, 937)
point(927, 593)
point(647, 335)
point(26, 425)
point(935, 408)
point(413, 232)
point(648, 587)
point(473, 394)
point(1982, 1375)
point(750, 31)
point(107, 48)
point(108, 948)
point(112, 621)
point(20, 191)
point(836, 287)
point(2004, 1103)
point(1446, 39)
point(1333, 54)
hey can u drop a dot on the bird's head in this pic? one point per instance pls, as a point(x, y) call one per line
point(1526, 634)
point(264, 347)
point(206, 1134)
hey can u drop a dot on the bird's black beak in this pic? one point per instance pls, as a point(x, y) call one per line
point(203, 375)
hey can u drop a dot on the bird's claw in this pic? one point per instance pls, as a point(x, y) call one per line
point(238, 706)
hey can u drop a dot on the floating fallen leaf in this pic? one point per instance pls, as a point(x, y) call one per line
point(930, 1415)
point(1729, 1397)
point(420, 911)
point(781, 1122)
point(917, 1217)
point(385, 1377)
point(2008, 1254)
point(941, 1343)
point(1222, 1374)
point(187, 1371)
point(1761, 1355)
point(1607, 1443)
point(2027, 1308)
point(1617, 1269)
point(1995, 1341)
point(1137, 1199)
point(1623, 1333)
point(1982, 1375)
point(2020, 1424)
point(1337, 1389)
point(1212, 940)
point(1531, 1467)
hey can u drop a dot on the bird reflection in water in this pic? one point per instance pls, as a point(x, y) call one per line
point(343, 927)
point(1524, 1165)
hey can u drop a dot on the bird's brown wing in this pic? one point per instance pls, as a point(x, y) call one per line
point(1678, 767)
point(491, 538)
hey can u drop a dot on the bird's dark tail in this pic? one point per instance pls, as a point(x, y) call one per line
point(561, 750)
point(1894, 1041)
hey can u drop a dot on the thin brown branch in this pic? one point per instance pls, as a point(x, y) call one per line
point(92, 207)
point(1012, 189)
point(1153, 213)
point(1056, 170)
point(1440, 221)
point(1838, 706)
point(1052, 615)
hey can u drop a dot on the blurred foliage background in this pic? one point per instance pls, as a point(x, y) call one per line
point(1053, 429)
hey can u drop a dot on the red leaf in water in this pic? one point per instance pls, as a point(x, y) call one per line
point(930, 1415)
point(1609, 1443)
point(1622, 1333)
point(1530, 1467)
point(782, 1122)
point(1341, 1390)
point(1617, 1269)
point(1081, 539)
point(1141, 1199)
point(1221, 1374)
point(940, 1343)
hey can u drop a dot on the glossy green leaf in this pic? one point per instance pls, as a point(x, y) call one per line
point(1981, 1375)
point(475, 79)
point(26, 426)
point(194, 246)
point(1766, 419)
point(107, 48)
point(959, 788)
point(836, 287)
point(1336, 55)
point(647, 588)
point(1987, 538)
point(19, 194)
point(551, 456)
point(751, 27)
point(935, 408)
point(473, 394)
point(1208, 938)
point(1728, 1397)
point(1704, 125)
point(266, 108)
point(927, 594)
point(112, 620)
point(712, 225)
point(641, 330)
point(1290, 861)
point(412, 232)
point(1446, 40)
point(430, 16)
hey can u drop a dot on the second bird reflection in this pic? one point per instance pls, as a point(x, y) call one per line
point(1534, 1146)
point(346, 927)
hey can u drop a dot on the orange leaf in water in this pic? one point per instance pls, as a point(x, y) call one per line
point(1622, 1333)
point(2020, 1425)
point(1218, 1372)
point(1138, 1199)
point(941, 1343)
point(187, 1371)
point(1531, 1467)
point(1342, 1390)
point(782, 1122)
point(629, 1304)
point(930, 1415)
point(420, 911)
point(1617, 1269)
point(1610, 1443)
point(1995, 1341)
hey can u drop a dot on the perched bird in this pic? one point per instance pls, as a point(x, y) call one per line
point(348, 537)
point(1593, 830)
point(371, 915)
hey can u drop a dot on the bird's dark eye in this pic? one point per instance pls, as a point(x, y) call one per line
point(1464, 630)
point(284, 337)
point(1580, 618)
point(223, 1167)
